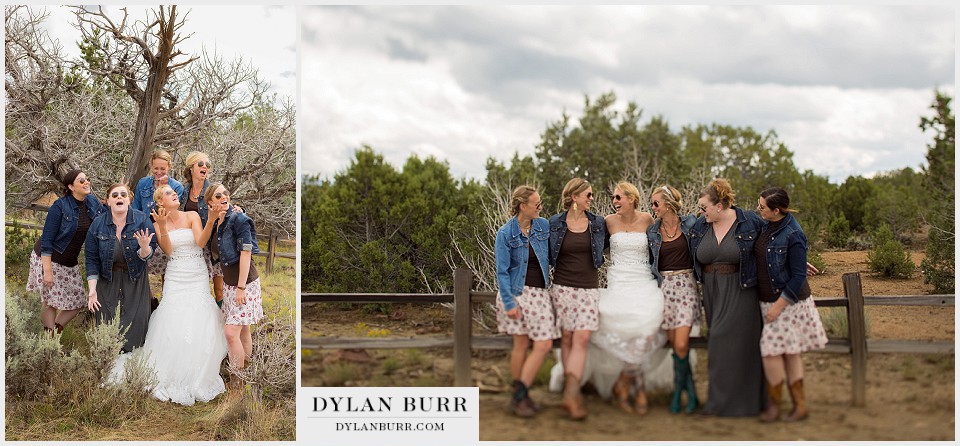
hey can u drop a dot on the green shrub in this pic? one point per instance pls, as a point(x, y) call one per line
point(40, 372)
point(838, 232)
point(816, 259)
point(939, 267)
point(888, 258)
point(19, 243)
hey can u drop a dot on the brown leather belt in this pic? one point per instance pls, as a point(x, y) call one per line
point(721, 268)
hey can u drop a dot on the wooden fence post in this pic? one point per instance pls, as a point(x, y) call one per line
point(272, 251)
point(462, 327)
point(856, 323)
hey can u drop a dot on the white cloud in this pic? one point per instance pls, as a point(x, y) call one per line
point(844, 87)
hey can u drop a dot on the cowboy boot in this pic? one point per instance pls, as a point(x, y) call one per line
point(679, 382)
point(799, 402)
point(520, 402)
point(572, 398)
point(689, 386)
point(774, 394)
point(621, 392)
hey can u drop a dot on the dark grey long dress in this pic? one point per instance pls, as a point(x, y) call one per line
point(133, 297)
point(734, 365)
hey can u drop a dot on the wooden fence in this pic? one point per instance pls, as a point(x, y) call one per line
point(272, 238)
point(463, 342)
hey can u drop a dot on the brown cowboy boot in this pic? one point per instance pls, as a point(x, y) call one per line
point(774, 395)
point(799, 402)
point(621, 392)
point(572, 398)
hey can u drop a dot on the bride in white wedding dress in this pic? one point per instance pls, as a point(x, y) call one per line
point(185, 341)
point(626, 352)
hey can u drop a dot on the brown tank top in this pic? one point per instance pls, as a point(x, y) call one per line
point(231, 274)
point(575, 262)
point(675, 255)
point(534, 272)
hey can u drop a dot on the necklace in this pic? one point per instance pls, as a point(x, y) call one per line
point(666, 233)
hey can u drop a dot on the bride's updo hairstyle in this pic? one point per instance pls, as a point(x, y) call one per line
point(630, 191)
point(158, 194)
point(520, 196)
point(573, 187)
point(671, 197)
point(719, 192)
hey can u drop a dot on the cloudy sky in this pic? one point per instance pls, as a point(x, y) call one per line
point(265, 36)
point(844, 87)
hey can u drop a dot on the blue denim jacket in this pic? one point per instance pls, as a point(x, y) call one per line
point(61, 222)
point(656, 241)
point(599, 240)
point(234, 234)
point(98, 248)
point(787, 259)
point(143, 195)
point(748, 227)
point(512, 252)
point(201, 203)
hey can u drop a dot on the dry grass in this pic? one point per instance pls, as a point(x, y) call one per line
point(68, 409)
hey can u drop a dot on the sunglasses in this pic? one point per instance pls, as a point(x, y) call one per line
point(617, 197)
point(204, 164)
point(655, 204)
point(121, 194)
point(589, 194)
point(702, 208)
point(220, 195)
point(83, 180)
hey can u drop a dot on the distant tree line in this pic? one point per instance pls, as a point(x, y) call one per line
point(374, 228)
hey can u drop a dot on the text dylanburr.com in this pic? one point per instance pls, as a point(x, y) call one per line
point(389, 415)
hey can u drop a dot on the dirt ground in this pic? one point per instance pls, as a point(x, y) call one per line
point(909, 396)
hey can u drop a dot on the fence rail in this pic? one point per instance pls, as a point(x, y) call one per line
point(272, 238)
point(464, 342)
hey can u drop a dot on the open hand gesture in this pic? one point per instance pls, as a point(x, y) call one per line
point(143, 237)
point(160, 215)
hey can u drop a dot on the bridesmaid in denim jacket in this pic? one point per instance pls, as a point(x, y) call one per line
point(54, 270)
point(524, 310)
point(118, 246)
point(578, 238)
point(791, 321)
point(233, 244)
point(672, 266)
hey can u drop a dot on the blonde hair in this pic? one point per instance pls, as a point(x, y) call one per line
point(158, 194)
point(189, 161)
point(671, 197)
point(630, 191)
point(719, 192)
point(520, 196)
point(573, 187)
point(161, 154)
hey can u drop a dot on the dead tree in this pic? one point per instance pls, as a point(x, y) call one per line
point(139, 57)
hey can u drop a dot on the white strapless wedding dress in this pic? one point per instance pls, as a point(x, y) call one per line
point(631, 312)
point(185, 342)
